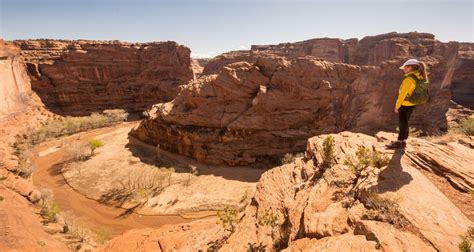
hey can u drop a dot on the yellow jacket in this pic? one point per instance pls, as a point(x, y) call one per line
point(406, 89)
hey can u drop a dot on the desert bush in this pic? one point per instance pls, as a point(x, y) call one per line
point(77, 152)
point(289, 158)
point(383, 209)
point(466, 240)
point(116, 115)
point(1, 198)
point(466, 126)
point(267, 218)
point(228, 218)
point(270, 219)
point(50, 211)
point(139, 186)
point(378, 159)
point(94, 144)
point(77, 230)
point(328, 152)
point(364, 157)
point(57, 128)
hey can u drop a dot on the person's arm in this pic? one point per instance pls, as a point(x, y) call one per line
point(407, 85)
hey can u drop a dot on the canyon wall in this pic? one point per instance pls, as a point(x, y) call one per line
point(15, 84)
point(79, 77)
point(253, 112)
point(371, 50)
point(462, 86)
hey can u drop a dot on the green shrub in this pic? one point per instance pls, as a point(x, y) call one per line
point(378, 159)
point(228, 218)
point(328, 152)
point(466, 240)
point(267, 218)
point(50, 212)
point(466, 126)
point(364, 157)
point(94, 144)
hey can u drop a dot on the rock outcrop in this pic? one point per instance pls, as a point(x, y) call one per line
point(79, 77)
point(312, 204)
point(16, 87)
point(252, 112)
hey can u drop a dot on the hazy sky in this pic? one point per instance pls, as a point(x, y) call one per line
point(212, 27)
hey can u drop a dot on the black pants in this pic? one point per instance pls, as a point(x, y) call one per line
point(404, 114)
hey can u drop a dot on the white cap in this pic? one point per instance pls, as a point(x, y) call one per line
point(410, 62)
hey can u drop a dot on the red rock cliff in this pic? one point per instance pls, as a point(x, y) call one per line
point(371, 50)
point(15, 84)
point(78, 77)
point(251, 112)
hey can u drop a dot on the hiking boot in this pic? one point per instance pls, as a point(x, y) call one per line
point(396, 145)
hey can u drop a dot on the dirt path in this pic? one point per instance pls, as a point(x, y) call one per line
point(89, 212)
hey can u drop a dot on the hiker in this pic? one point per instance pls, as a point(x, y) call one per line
point(413, 91)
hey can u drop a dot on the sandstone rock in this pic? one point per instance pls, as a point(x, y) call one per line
point(315, 210)
point(318, 208)
point(20, 226)
point(389, 238)
point(199, 235)
point(79, 77)
point(53, 228)
point(16, 87)
point(251, 113)
point(371, 50)
point(338, 243)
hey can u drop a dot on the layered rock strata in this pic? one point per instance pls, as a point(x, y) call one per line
point(79, 77)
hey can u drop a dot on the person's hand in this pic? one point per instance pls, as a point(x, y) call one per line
point(396, 110)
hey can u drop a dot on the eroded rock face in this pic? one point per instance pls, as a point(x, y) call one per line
point(78, 77)
point(462, 86)
point(371, 50)
point(249, 112)
point(308, 206)
point(15, 84)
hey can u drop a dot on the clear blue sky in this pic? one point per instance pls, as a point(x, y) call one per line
point(212, 27)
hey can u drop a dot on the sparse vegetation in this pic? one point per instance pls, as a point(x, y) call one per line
point(138, 187)
point(57, 128)
point(228, 218)
point(328, 152)
point(77, 230)
point(289, 158)
point(94, 144)
point(364, 157)
point(466, 126)
point(466, 240)
point(1, 198)
point(383, 209)
point(50, 211)
point(267, 218)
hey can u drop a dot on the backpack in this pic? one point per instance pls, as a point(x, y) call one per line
point(420, 95)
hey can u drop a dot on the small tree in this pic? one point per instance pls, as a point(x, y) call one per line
point(94, 144)
point(328, 152)
point(228, 218)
